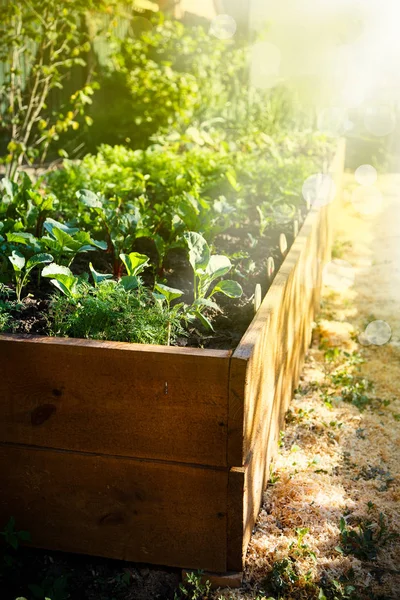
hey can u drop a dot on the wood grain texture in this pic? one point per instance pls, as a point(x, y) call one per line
point(143, 511)
point(119, 399)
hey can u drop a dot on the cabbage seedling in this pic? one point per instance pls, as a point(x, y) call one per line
point(206, 269)
point(22, 268)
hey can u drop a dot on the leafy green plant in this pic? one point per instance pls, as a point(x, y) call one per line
point(41, 41)
point(364, 542)
point(66, 242)
point(121, 222)
point(12, 536)
point(63, 279)
point(12, 539)
point(51, 588)
point(24, 205)
point(135, 264)
point(22, 268)
point(193, 587)
point(282, 576)
point(164, 293)
point(206, 269)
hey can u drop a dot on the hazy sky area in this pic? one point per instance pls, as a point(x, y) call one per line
point(350, 50)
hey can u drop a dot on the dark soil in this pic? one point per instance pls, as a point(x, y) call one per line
point(249, 257)
point(38, 574)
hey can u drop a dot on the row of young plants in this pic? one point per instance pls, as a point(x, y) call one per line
point(136, 243)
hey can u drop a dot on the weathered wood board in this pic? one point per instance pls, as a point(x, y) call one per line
point(154, 512)
point(115, 398)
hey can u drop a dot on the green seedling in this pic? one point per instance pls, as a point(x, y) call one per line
point(63, 279)
point(22, 268)
point(135, 264)
point(193, 587)
point(206, 269)
point(66, 242)
point(98, 277)
point(168, 294)
point(364, 542)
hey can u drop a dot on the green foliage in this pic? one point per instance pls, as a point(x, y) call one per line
point(109, 312)
point(206, 269)
point(12, 537)
point(41, 41)
point(63, 279)
point(364, 542)
point(22, 268)
point(121, 223)
point(166, 77)
point(23, 205)
point(135, 264)
point(193, 587)
point(66, 242)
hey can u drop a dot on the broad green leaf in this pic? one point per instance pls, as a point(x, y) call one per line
point(207, 303)
point(99, 277)
point(62, 278)
point(204, 321)
point(9, 187)
point(21, 237)
point(89, 199)
point(38, 259)
point(134, 262)
point(55, 270)
point(199, 252)
point(17, 260)
point(129, 282)
point(50, 224)
point(167, 292)
point(218, 266)
point(230, 288)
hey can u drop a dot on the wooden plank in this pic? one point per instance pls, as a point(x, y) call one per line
point(112, 398)
point(236, 491)
point(154, 512)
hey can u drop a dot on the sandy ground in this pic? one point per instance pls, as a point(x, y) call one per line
point(335, 460)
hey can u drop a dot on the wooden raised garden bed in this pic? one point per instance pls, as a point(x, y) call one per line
point(150, 453)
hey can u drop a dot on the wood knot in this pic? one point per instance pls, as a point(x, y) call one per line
point(112, 518)
point(42, 413)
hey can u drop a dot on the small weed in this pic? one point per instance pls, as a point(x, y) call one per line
point(283, 576)
point(273, 477)
point(281, 441)
point(193, 588)
point(51, 587)
point(340, 248)
point(12, 538)
point(364, 542)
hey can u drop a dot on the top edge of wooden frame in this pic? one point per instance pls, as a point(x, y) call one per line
point(124, 346)
point(245, 348)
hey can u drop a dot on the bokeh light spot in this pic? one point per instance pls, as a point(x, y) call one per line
point(377, 333)
point(319, 190)
point(223, 27)
point(367, 200)
point(366, 175)
point(338, 274)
